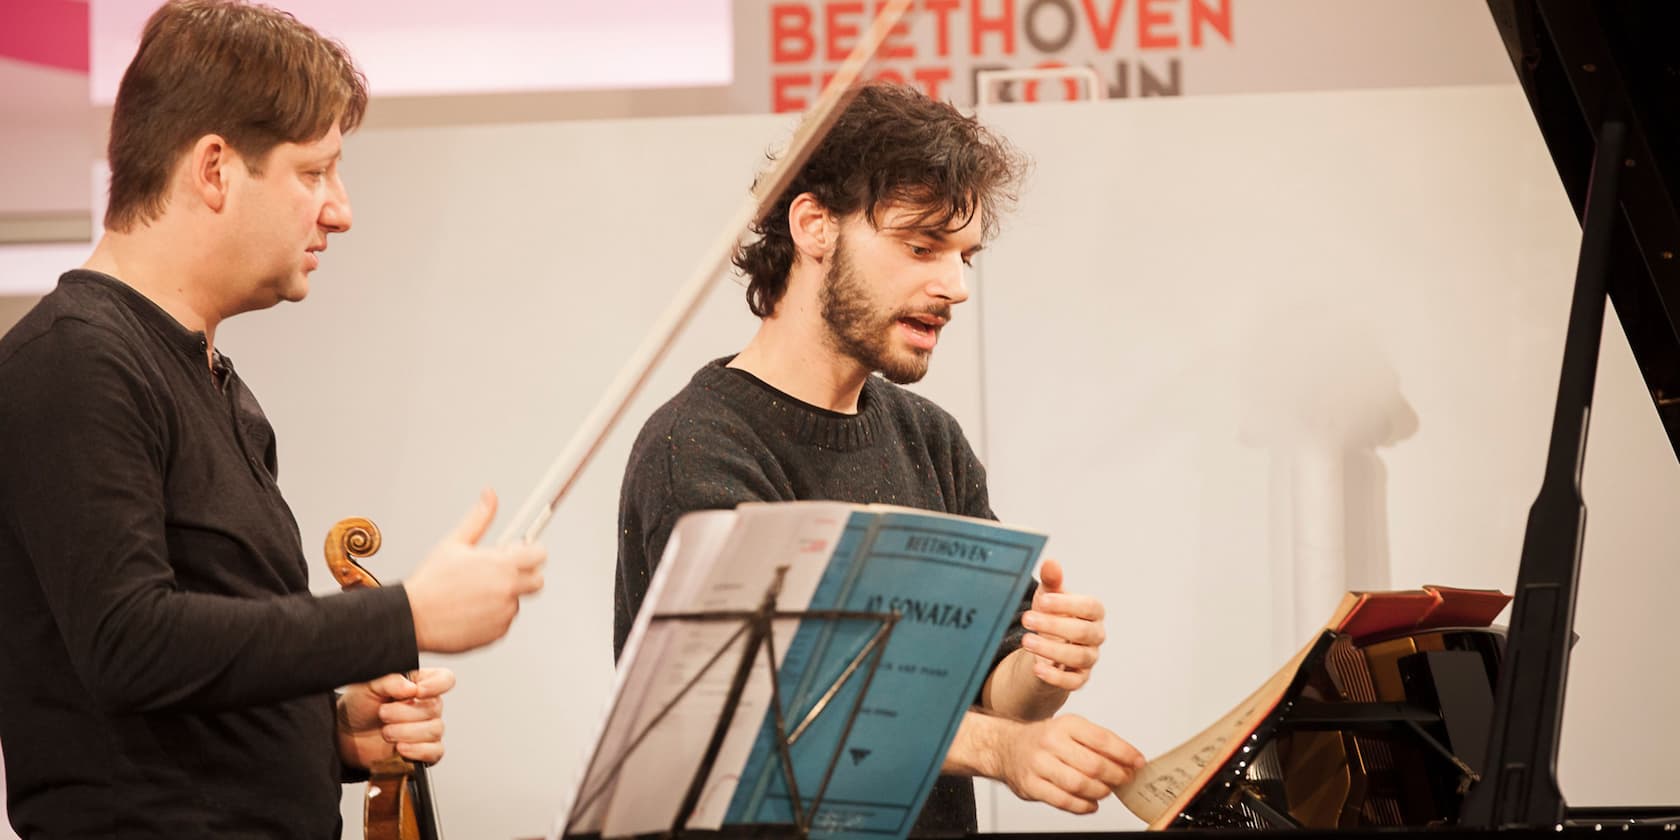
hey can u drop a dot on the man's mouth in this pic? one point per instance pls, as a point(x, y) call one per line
point(922, 330)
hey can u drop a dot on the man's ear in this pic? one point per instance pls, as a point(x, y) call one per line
point(815, 230)
point(207, 169)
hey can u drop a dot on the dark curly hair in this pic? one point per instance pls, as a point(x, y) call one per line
point(891, 145)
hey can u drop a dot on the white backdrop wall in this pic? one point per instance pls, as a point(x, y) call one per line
point(1224, 340)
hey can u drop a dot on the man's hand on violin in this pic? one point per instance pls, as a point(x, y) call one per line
point(465, 595)
point(394, 715)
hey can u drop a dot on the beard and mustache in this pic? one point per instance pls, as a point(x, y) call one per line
point(863, 330)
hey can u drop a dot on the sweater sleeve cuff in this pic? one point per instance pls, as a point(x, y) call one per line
point(392, 624)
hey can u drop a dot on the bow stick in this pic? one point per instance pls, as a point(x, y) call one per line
point(539, 508)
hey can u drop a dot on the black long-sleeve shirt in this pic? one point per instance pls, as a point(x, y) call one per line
point(729, 437)
point(164, 670)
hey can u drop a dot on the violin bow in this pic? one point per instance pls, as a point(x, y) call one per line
point(533, 516)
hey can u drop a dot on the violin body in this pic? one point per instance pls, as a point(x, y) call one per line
point(389, 809)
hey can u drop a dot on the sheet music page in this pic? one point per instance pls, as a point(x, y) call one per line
point(694, 545)
point(804, 537)
point(718, 572)
point(874, 754)
point(1154, 793)
point(1165, 785)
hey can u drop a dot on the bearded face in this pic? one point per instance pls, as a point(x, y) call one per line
point(896, 340)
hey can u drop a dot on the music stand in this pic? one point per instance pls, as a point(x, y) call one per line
point(756, 626)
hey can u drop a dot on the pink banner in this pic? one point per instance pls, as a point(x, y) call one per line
point(51, 33)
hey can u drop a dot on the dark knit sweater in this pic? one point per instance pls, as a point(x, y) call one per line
point(164, 671)
point(729, 438)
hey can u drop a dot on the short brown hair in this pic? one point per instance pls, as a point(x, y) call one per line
point(247, 72)
point(891, 144)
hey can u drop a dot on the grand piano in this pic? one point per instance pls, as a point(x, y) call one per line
point(1459, 731)
point(1456, 729)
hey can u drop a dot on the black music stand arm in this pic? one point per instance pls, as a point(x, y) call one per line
point(1519, 786)
point(873, 651)
point(758, 631)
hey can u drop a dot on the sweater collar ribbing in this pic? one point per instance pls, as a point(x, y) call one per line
point(800, 421)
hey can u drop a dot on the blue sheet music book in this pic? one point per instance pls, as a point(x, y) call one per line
point(956, 584)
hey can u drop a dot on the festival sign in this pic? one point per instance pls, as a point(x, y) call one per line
point(786, 49)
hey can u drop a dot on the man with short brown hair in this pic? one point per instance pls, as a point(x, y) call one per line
point(164, 670)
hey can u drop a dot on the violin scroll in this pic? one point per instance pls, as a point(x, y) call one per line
point(350, 541)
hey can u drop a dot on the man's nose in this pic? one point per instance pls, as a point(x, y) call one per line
point(335, 214)
point(951, 283)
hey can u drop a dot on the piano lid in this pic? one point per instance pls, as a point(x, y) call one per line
point(1579, 62)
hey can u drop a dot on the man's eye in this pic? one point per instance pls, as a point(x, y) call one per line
point(968, 260)
point(920, 251)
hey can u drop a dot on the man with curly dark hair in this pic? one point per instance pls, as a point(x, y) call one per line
point(857, 268)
